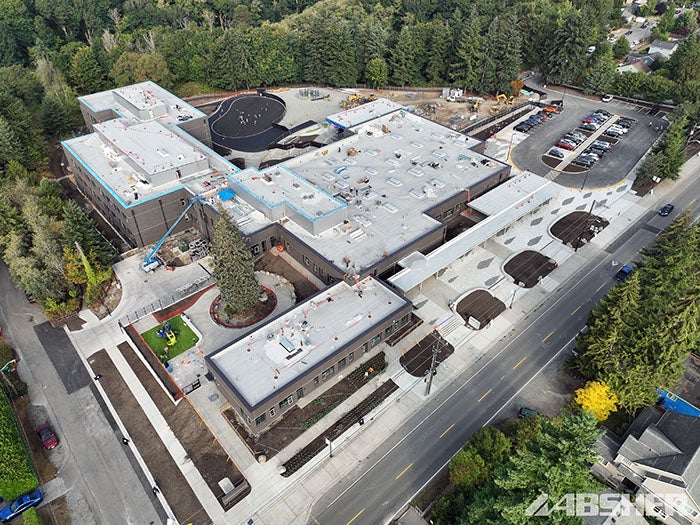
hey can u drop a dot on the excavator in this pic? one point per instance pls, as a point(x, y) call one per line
point(501, 98)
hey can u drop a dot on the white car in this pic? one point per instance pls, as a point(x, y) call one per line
point(619, 129)
point(607, 98)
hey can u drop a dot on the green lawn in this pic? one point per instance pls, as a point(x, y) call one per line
point(186, 338)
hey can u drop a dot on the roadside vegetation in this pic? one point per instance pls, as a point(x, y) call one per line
point(17, 474)
point(640, 334)
point(497, 475)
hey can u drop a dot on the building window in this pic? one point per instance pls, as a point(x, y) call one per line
point(256, 249)
point(405, 319)
point(351, 356)
point(300, 393)
point(307, 262)
point(316, 268)
point(365, 348)
point(327, 373)
point(272, 412)
point(342, 363)
point(388, 330)
point(286, 402)
point(260, 420)
point(448, 214)
point(316, 381)
point(376, 340)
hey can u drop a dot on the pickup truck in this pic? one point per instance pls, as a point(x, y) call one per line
point(623, 273)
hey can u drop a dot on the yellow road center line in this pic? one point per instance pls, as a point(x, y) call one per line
point(600, 287)
point(404, 471)
point(355, 517)
point(548, 336)
point(575, 310)
point(447, 430)
point(519, 363)
point(486, 394)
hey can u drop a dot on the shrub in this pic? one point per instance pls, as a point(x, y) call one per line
point(17, 475)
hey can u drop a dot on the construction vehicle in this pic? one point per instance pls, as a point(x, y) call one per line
point(501, 98)
point(511, 101)
point(475, 106)
point(355, 99)
point(152, 260)
point(494, 110)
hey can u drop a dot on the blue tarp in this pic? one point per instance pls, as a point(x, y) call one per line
point(227, 194)
point(673, 403)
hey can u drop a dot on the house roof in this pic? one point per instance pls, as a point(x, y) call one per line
point(666, 441)
point(662, 44)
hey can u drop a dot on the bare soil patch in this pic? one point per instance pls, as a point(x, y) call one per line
point(297, 420)
point(416, 360)
point(578, 228)
point(168, 476)
point(55, 512)
point(202, 447)
point(528, 267)
point(480, 305)
point(303, 288)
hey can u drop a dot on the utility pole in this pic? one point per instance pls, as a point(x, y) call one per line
point(585, 224)
point(437, 346)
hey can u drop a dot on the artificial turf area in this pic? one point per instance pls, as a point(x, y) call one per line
point(186, 338)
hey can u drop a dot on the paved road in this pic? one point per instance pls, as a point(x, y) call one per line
point(394, 472)
point(95, 470)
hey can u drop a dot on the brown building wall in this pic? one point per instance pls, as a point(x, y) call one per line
point(344, 360)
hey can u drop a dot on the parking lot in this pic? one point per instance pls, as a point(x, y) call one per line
point(613, 167)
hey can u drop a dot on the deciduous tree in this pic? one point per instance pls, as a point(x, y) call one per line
point(597, 398)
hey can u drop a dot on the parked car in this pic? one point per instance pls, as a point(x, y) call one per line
point(554, 152)
point(623, 273)
point(601, 144)
point(615, 127)
point(565, 145)
point(625, 123)
point(525, 412)
point(21, 504)
point(578, 134)
point(584, 163)
point(603, 112)
point(590, 126)
point(594, 151)
point(607, 98)
point(668, 208)
point(47, 436)
point(611, 133)
point(571, 138)
point(523, 127)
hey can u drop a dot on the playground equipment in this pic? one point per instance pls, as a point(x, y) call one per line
point(152, 260)
point(167, 332)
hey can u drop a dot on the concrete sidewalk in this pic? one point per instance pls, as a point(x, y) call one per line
point(275, 499)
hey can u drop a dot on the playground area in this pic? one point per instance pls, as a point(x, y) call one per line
point(248, 122)
point(170, 338)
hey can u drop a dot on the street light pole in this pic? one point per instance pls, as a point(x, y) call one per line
point(330, 447)
point(512, 299)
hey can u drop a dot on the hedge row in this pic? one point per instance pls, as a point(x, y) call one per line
point(17, 475)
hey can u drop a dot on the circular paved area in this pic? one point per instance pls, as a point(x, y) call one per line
point(529, 267)
point(248, 122)
point(578, 228)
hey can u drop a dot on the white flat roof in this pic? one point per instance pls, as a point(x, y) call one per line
point(418, 267)
point(388, 181)
point(276, 355)
point(147, 144)
point(144, 95)
point(364, 113)
point(277, 185)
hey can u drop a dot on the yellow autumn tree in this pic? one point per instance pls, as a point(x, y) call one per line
point(597, 398)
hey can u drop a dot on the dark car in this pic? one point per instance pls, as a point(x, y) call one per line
point(623, 273)
point(556, 153)
point(611, 133)
point(47, 436)
point(525, 412)
point(601, 144)
point(595, 151)
point(668, 208)
point(21, 504)
point(523, 127)
point(607, 114)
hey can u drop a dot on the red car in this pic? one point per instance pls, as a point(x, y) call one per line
point(565, 145)
point(48, 438)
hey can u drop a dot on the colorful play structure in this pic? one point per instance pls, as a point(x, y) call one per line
point(167, 332)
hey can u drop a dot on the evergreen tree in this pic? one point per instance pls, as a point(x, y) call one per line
point(79, 228)
point(55, 117)
point(439, 42)
point(600, 79)
point(330, 50)
point(464, 70)
point(500, 60)
point(233, 266)
point(567, 57)
point(621, 47)
point(405, 58)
